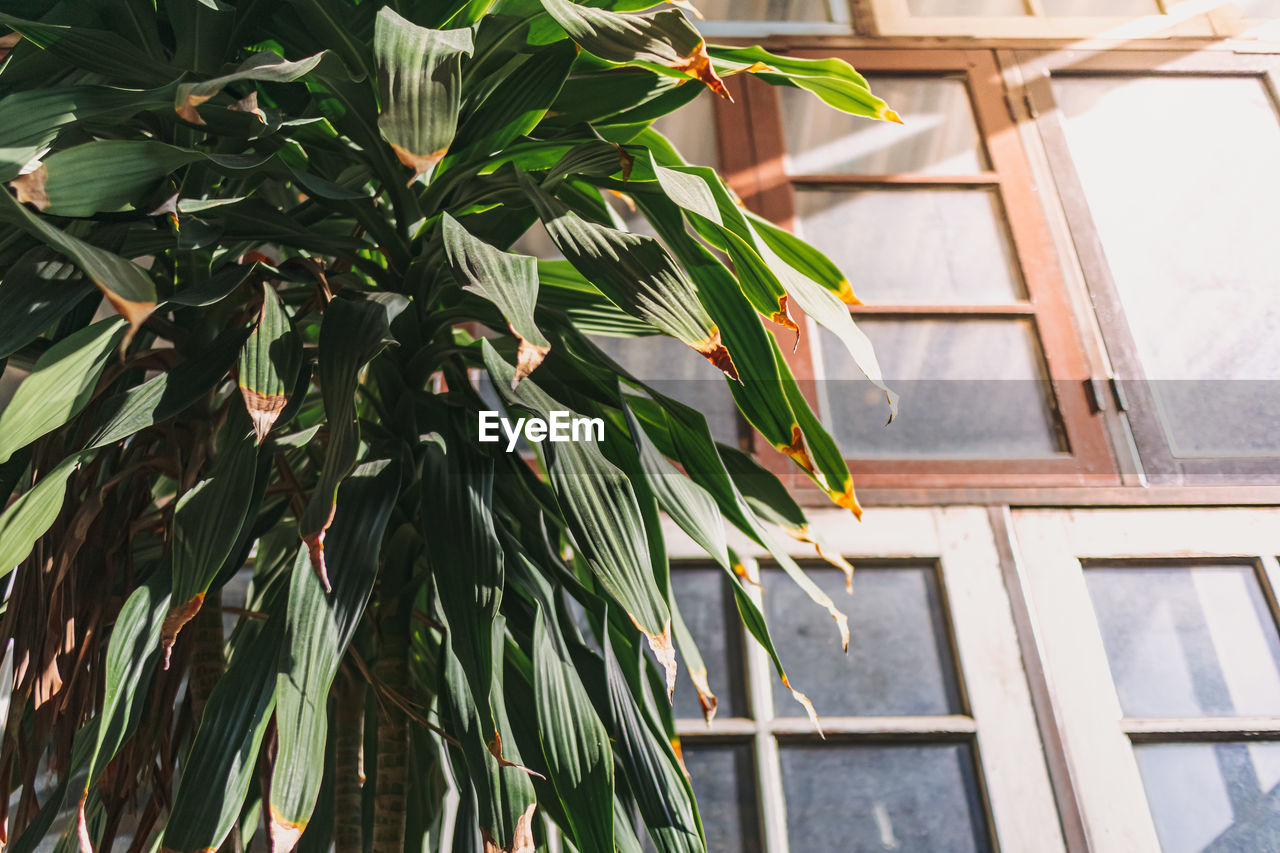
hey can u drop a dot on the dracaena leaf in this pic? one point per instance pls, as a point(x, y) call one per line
point(663, 40)
point(99, 51)
point(59, 386)
point(832, 80)
point(420, 86)
point(269, 363)
point(505, 797)
point(464, 554)
point(654, 775)
point(518, 103)
point(575, 744)
point(224, 753)
point(636, 273)
point(30, 515)
point(319, 629)
point(264, 65)
point(206, 523)
point(99, 176)
point(508, 280)
point(126, 285)
point(354, 330)
point(35, 292)
point(600, 507)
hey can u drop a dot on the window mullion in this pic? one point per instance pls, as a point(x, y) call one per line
point(773, 816)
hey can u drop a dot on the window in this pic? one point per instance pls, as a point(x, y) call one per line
point(1160, 638)
point(760, 18)
point(1175, 239)
point(1119, 19)
point(938, 223)
point(928, 738)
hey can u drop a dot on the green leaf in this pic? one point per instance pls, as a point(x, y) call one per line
point(518, 103)
point(654, 775)
point(664, 41)
point(132, 654)
point(599, 505)
point(168, 394)
point(225, 751)
point(636, 273)
point(319, 629)
point(36, 291)
point(354, 330)
point(832, 80)
point(27, 518)
point(575, 744)
point(59, 386)
point(804, 259)
point(206, 522)
point(269, 364)
point(98, 51)
point(106, 175)
point(264, 65)
point(419, 83)
point(464, 554)
point(508, 280)
point(504, 792)
point(126, 285)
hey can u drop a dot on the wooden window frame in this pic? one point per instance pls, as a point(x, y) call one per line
point(754, 159)
point(1052, 548)
point(998, 721)
point(1038, 70)
point(1193, 19)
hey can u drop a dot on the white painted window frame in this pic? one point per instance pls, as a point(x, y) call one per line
point(1178, 18)
point(841, 24)
point(1001, 724)
point(1097, 738)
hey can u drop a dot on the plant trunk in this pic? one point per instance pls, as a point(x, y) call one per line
point(392, 674)
point(348, 781)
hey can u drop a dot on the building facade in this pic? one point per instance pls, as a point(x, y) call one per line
point(1064, 609)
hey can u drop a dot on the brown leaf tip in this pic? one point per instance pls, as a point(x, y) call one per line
point(174, 621)
point(284, 834)
point(315, 548)
point(665, 652)
point(263, 410)
point(718, 354)
point(698, 65)
point(29, 188)
point(706, 698)
point(422, 164)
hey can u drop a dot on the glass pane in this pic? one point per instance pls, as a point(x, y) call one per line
point(765, 10)
point(920, 246)
point(1100, 8)
point(1213, 797)
point(965, 8)
point(939, 137)
point(899, 661)
point(692, 129)
point(1259, 8)
point(675, 369)
point(1187, 641)
point(1190, 237)
point(723, 779)
point(877, 798)
point(708, 609)
point(970, 388)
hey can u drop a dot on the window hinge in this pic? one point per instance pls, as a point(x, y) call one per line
point(1095, 391)
point(1099, 391)
point(1117, 391)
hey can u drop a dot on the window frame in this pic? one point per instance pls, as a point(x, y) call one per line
point(1174, 20)
point(756, 166)
point(999, 725)
point(1038, 70)
point(841, 24)
point(1053, 548)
